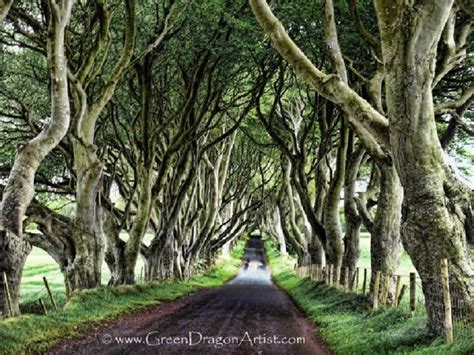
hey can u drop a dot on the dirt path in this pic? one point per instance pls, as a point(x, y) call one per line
point(247, 316)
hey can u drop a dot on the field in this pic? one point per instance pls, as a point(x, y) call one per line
point(40, 264)
point(406, 265)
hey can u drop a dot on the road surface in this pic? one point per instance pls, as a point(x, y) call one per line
point(249, 315)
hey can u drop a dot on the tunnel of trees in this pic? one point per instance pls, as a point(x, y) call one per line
point(199, 121)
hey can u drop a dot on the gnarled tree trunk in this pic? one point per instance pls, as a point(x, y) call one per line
point(19, 190)
point(385, 243)
point(115, 250)
point(332, 222)
point(437, 213)
point(353, 220)
point(89, 236)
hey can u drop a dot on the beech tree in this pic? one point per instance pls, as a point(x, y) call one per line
point(431, 228)
point(19, 189)
point(172, 128)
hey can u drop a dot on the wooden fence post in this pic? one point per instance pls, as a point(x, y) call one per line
point(397, 291)
point(50, 294)
point(412, 293)
point(355, 284)
point(386, 284)
point(376, 291)
point(352, 279)
point(364, 283)
point(402, 293)
point(448, 317)
point(6, 288)
point(43, 306)
point(326, 274)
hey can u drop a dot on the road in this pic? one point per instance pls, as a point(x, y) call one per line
point(249, 315)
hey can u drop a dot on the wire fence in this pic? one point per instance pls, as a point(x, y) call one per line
point(448, 304)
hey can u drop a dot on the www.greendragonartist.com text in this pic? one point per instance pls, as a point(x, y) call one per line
point(194, 338)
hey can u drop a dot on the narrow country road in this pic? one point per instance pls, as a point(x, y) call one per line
point(249, 315)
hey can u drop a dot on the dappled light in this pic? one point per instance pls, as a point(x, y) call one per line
point(207, 153)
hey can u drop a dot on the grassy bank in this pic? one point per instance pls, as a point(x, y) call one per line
point(39, 264)
point(35, 333)
point(349, 328)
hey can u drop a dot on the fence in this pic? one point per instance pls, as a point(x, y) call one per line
point(449, 306)
point(10, 312)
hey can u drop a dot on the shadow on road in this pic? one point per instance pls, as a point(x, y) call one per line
point(249, 315)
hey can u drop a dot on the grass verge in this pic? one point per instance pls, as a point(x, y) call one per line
point(348, 327)
point(88, 308)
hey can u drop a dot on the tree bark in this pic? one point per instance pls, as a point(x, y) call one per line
point(385, 243)
point(13, 253)
point(88, 227)
point(19, 189)
point(160, 256)
point(353, 220)
point(437, 213)
point(332, 222)
point(271, 224)
point(115, 251)
point(5, 6)
point(279, 232)
point(437, 216)
point(88, 232)
point(139, 227)
point(56, 237)
point(299, 237)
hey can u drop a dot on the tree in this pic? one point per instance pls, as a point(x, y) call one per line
point(431, 228)
point(19, 189)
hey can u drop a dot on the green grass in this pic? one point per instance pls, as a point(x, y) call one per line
point(39, 264)
point(348, 326)
point(404, 269)
point(86, 309)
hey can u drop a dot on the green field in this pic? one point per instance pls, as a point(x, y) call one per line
point(39, 264)
point(406, 265)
